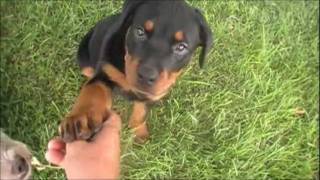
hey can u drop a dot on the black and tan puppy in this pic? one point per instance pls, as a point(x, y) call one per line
point(140, 51)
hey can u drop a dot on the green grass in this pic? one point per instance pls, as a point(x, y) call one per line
point(232, 120)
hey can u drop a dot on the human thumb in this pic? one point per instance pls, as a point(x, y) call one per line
point(110, 129)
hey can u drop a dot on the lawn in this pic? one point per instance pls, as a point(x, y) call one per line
point(251, 113)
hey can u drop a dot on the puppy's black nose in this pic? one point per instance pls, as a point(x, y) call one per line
point(20, 165)
point(147, 75)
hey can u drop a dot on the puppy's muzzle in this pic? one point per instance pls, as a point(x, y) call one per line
point(147, 75)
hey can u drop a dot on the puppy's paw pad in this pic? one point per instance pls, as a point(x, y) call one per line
point(81, 126)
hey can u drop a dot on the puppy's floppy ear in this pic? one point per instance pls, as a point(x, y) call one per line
point(128, 9)
point(205, 35)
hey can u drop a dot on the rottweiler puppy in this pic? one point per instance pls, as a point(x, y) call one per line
point(141, 52)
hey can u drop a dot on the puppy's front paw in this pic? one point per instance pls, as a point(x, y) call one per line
point(141, 133)
point(82, 126)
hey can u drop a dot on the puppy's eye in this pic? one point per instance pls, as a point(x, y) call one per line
point(140, 33)
point(181, 48)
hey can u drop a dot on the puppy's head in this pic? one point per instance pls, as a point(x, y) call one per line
point(161, 37)
point(160, 41)
point(15, 159)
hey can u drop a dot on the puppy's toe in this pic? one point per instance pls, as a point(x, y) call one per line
point(81, 127)
point(141, 134)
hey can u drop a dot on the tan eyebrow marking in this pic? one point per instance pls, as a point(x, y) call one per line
point(149, 25)
point(179, 36)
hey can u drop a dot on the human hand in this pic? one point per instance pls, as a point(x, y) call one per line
point(97, 159)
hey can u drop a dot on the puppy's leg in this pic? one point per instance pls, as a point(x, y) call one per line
point(138, 123)
point(137, 120)
point(83, 57)
point(90, 110)
point(116, 76)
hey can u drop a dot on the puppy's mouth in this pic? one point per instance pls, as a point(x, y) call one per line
point(148, 94)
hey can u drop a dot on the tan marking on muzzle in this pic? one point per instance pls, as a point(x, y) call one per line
point(159, 89)
point(164, 82)
point(131, 65)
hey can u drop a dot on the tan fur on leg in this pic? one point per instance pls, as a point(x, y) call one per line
point(137, 122)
